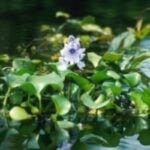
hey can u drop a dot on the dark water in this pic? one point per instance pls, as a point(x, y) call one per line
point(20, 20)
point(126, 143)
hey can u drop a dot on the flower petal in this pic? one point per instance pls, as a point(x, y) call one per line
point(81, 65)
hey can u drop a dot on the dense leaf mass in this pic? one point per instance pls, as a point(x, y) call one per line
point(47, 108)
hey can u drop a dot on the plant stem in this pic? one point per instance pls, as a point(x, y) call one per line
point(6, 97)
point(40, 104)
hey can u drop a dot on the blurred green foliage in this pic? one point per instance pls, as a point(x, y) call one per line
point(46, 108)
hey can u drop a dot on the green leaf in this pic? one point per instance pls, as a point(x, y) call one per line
point(18, 113)
point(144, 67)
point(92, 28)
point(144, 137)
point(136, 97)
point(62, 14)
point(88, 20)
point(3, 124)
point(29, 88)
point(22, 65)
point(139, 58)
point(133, 78)
point(12, 141)
point(14, 80)
point(4, 58)
point(62, 104)
point(92, 137)
point(125, 62)
point(79, 146)
point(41, 81)
point(33, 143)
point(94, 58)
point(65, 124)
point(146, 96)
point(112, 88)
point(16, 97)
point(98, 103)
point(62, 135)
point(113, 74)
point(117, 41)
point(81, 81)
point(112, 56)
point(99, 76)
point(34, 110)
point(129, 40)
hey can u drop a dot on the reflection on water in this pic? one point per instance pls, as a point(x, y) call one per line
point(126, 143)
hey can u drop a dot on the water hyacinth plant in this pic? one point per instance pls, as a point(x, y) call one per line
point(71, 54)
point(49, 105)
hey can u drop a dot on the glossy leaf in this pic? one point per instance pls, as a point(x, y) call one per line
point(90, 103)
point(133, 78)
point(113, 74)
point(117, 41)
point(144, 67)
point(112, 88)
point(18, 113)
point(62, 105)
point(94, 58)
point(41, 81)
point(81, 81)
point(65, 124)
point(91, 136)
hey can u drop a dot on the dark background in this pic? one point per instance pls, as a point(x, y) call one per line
point(20, 20)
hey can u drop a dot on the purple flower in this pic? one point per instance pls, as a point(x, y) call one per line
point(71, 54)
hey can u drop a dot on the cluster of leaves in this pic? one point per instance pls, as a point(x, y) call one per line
point(44, 108)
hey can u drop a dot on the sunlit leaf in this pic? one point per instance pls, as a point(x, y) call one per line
point(81, 81)
point(90, 103)
point(112, 88)
point(144, 67)
point(139, 58)
point(65, 124)
point(18, 113)
point(62, 14)
point(117, 41)
point(92, 28)
point(129, 40)
point(62, 105)
point(41, 81)
point(133, 78)
point(113, 74)
point(136, 97)
point(4, 58)
point(94, 58)
point(92, 137)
